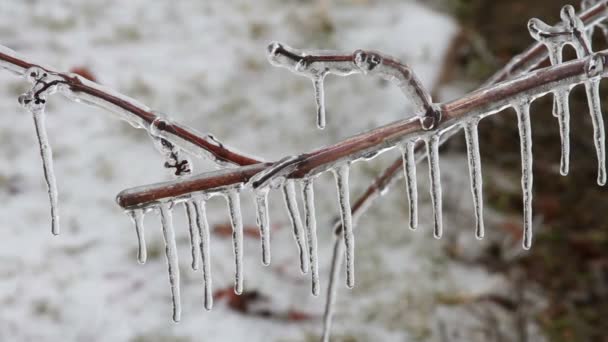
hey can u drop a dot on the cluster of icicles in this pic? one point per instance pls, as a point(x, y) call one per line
point(570, 31)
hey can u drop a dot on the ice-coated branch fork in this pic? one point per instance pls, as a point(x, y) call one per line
point(429, 125)
point(316, 65)
point(465, 111)
point(482, 102)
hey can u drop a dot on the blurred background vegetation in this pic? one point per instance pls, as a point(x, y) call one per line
point(569, 258)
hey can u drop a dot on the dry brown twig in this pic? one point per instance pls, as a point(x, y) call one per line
point(513, 86)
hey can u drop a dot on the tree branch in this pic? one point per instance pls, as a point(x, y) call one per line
point(80, 89)
point(485, 101)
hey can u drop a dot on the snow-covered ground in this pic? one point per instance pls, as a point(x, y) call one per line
point(204, 63)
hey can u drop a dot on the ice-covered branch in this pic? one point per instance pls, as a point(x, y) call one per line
point(318, 64)
point(79, 89)
point(592, 16)
point(482, 102)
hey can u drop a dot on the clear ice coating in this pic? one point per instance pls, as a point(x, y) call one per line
point(35, 103)
point(174, 161)
point(318, 64)
point(432, 148)
point(137, 217)
point(472, 140)
point(525, 137)
point(299, 234)
point(311, 231)
point(320, 99)
point(236, 220)
point(341, 175)
point(203, 231)
point(592, 87)
point(194, 237)
point(263, 221)
point(563, 115)
point(171, 254)
point(572, 32)
point(409, 169)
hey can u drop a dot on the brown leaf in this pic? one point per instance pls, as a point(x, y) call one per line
point(84, 72)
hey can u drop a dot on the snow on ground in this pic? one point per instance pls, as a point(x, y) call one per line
point(204, 63)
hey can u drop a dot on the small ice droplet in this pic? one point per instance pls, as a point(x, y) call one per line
point(204, 239)
point(137, 217)
point(472, 140)
point(172, 260)
point(311, 231)
point(432, 147)
point(409, 169)
point(262, 218)
point(194, 237)
point(289, 195)
point(341, 175)
point(236, 220)
point(525, 136)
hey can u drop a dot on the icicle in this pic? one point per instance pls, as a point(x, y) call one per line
point(593, 98)
point(470, 130)
point(203, 231)
point(289, 195)
point(137, 216)
point(332, 287)
point(317, 82)
point(36, 106)
point(171, 254)
point(341, 174)
point(261, 205)
point(525, 136)
point(563, 111)
point(194, 238)
point(311, 230)
point(432, 147)
point(236, 219)
point(409, 169)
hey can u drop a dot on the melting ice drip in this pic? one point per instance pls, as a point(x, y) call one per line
point(35, 102)
point(571, 31)
point(194, 204)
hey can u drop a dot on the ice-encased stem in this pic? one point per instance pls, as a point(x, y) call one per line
point(341, 175)
point(525, 137)
point(318, 84)
point(204, 240)
point(432, 148)
point(172, 259)
point(289, 195)
point(332, 287)
point(137, 217)
point(472, 140)
point(563, 116)
point(236, 220)
point(311, 231)
point(409, 169)
point(193, 229)
point(46, 153)
point(263, 221)
point(592, 87)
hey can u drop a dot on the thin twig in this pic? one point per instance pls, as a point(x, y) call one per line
point(78, 88)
